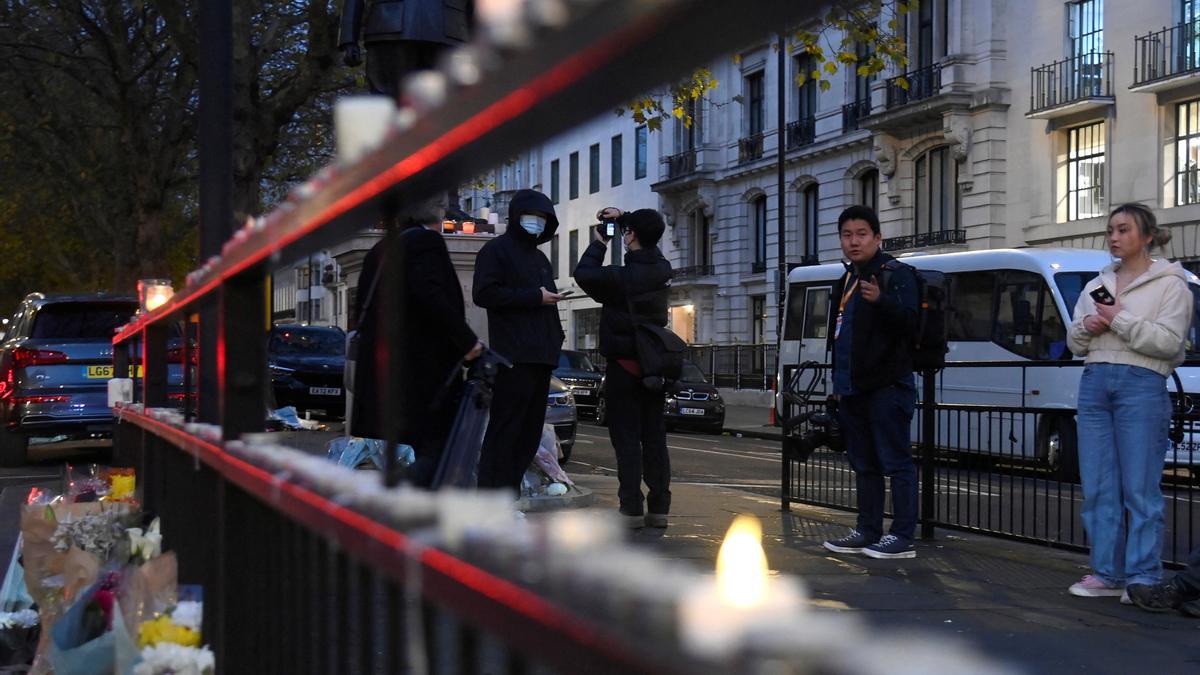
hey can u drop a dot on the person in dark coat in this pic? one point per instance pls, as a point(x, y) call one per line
point(437, 340)
point(635, 414)
point(515, 284)
point(400, 36)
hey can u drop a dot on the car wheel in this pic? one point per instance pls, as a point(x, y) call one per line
point(601, 412)
point(1058, 447)
point(14, 447)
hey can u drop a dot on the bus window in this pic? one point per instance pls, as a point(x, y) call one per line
point(970, 315)
point(816, 315)
point(1028, 322)
point(1070, 285)
point(794, 319)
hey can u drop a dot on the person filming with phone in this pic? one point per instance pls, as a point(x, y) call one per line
point(637, 291)
point(1130, 325)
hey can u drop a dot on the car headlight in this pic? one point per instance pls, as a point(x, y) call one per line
point(715, 396)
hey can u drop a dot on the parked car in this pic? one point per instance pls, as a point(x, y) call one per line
point(578, 372)
point(55, 363)
point(691, 402)
point(562, 415)
point(306, 364)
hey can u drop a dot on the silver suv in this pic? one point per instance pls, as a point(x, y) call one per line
point(55, 363)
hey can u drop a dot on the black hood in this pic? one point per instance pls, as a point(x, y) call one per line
point(526, 202)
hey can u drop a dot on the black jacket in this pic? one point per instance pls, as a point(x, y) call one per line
point(645, 277)
point(436, 335)
point(444, 21)
point(882, 332)
point(510, 272)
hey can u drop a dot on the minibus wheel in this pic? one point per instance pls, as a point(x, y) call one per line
point(1058, 447)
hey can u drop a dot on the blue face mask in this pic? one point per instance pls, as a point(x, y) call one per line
point(534, 225)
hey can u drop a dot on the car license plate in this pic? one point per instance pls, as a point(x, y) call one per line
point(691, 411)
point(325, 391)
point(104, 372)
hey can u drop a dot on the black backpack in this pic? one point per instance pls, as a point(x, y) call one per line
point(929, 341)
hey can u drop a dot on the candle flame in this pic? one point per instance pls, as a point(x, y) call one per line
point(157, 297)
point(742, 564)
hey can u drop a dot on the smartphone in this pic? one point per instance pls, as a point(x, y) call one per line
point(566, 293)
point(1101, 295)
point(610, 229)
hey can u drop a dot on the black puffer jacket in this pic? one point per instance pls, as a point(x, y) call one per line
point(510, 272)
point(645, 277)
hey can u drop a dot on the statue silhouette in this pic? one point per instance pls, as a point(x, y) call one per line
point(400, 36)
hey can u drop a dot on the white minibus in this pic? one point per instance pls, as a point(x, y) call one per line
point(1009, 305)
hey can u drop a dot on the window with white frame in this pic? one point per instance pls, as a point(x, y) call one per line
point(937, 198)
point(1187, 153)
point(1085, 171)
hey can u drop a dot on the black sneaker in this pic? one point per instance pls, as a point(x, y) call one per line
point(890, 546)
point(854, 542)
point(1161, 597)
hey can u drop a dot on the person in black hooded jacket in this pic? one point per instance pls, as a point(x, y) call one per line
point(515, 284)
point(635, 414)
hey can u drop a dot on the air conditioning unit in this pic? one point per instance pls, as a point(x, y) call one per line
point(331, 274)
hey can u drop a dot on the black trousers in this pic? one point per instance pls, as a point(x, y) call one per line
point(639, 436)
point(428, 433)
point(515, 426)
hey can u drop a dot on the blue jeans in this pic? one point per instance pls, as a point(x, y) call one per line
point(876, 427)
point(1124, 415)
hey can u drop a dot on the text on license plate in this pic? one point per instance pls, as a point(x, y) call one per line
point(691, 411)
point(325, 391)
point(104, 372)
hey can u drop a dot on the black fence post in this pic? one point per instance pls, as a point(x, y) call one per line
point(928, 452)
point(154, 365)
point(242, 361)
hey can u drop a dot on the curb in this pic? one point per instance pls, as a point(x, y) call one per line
point(576, 498)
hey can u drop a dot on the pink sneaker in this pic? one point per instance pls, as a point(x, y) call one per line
point(1092, 586)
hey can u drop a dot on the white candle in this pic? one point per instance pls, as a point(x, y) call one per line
point(360, 124)
point(716, 614)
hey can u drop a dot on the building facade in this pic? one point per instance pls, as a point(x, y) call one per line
point(608, 161)
point(1002, 131)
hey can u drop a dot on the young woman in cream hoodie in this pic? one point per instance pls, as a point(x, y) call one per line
point(1131, 347)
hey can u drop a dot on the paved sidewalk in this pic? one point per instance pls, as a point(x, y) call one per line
point(1008, 599)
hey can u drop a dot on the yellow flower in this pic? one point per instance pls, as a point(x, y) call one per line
point(161, 629)
point(122, 486)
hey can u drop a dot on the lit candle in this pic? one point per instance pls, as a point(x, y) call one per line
point(715, 615)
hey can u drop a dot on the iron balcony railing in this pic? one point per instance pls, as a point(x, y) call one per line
point(1079, 78)
point(680, 164)
point(921, 84)
point(692, 272)
point(925, 239)
point(853, 112)
point(750, 148)
point(1166, 53)
point(802, 132)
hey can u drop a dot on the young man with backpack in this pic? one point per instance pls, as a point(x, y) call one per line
point(634, 296)
point(871, 336)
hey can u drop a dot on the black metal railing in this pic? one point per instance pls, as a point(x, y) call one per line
point(1072, 80)
point(693, 272)
point(802, 132)
point(914, 86)
point(1010, 470)
point(925, 239)
point(853, 112)
point(740, 367)
point(299, 580)
point(750, 148)
point(680, 164)
point(1166, 53)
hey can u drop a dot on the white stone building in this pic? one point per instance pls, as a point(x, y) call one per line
point(1007, 134)
point(608, 161)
